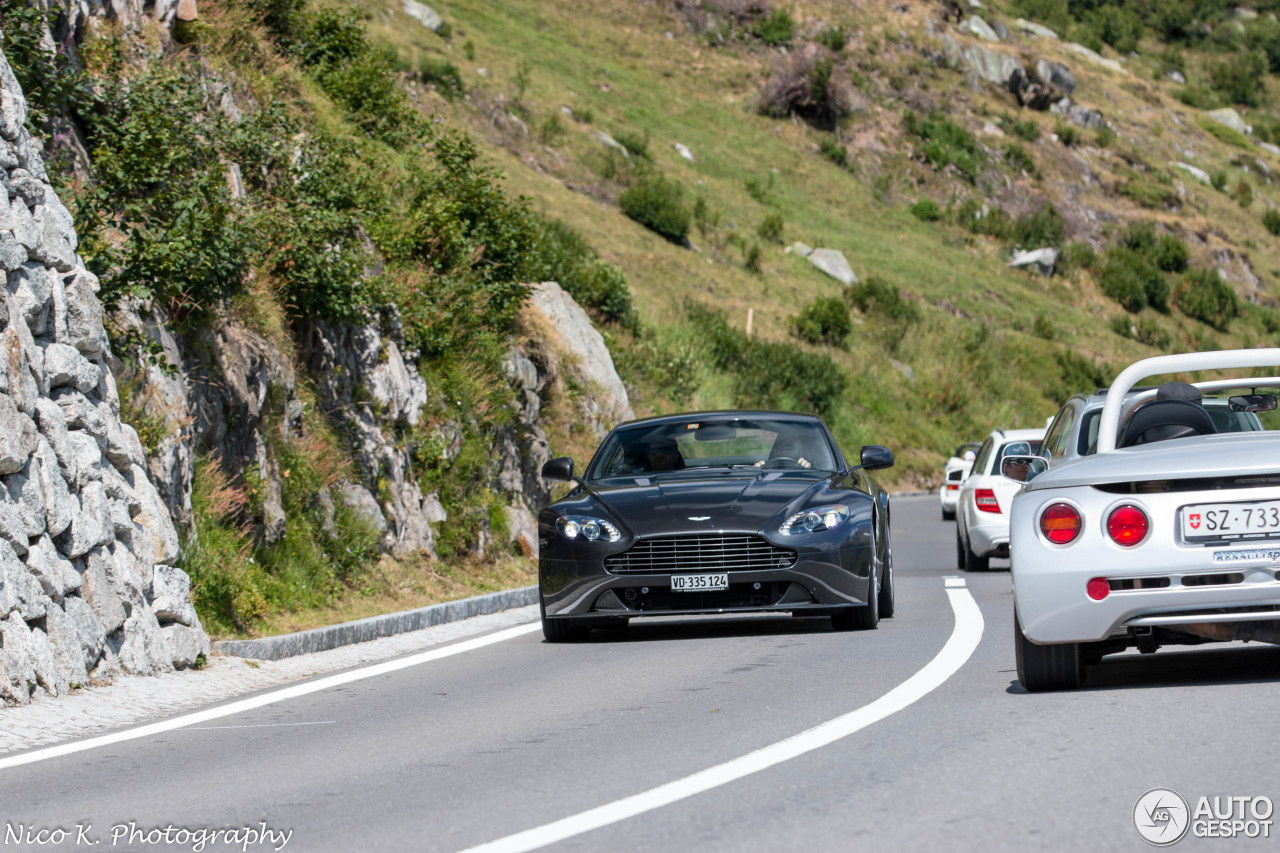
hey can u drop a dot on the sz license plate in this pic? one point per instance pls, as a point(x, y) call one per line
point(699, 583)
point(1259, 520)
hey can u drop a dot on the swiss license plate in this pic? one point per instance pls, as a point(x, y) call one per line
point(699, 583)
point(1259, 520)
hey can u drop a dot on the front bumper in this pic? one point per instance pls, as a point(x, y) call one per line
point(821, 579)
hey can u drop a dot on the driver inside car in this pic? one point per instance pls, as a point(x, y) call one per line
point(662, 454)
point(788, 447)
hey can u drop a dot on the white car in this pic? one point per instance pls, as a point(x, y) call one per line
point(953, 474)
point(1168, 534)
point(982, 509)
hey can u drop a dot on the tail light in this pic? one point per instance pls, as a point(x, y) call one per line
point(1098, 588)
point(952, 487)
point(1060, 523)
point(1127, 525)
point(986, 500)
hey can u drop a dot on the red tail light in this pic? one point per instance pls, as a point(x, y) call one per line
point(1060, 523)
point(1097, 588)
point(1127, 525)
point(986, 500)
point(952, 487)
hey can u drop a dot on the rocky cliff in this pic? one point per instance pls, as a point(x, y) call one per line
point(87, 546)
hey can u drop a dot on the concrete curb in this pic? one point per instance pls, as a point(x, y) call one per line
point(363, 630)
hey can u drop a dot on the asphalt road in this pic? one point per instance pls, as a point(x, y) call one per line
point(454, 753)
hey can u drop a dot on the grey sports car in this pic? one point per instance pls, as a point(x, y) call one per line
point(716, 512)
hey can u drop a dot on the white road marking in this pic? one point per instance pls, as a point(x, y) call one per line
point(259, 726)
point(959, 647)
point(953, 582)
point(262, 700)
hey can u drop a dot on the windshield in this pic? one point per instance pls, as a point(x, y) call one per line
point(714, 443)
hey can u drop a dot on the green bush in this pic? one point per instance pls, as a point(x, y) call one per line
point(1271, 221)
point(1018, 158)
point(1118, 26)
point(1194, 96)
point(753, 258)
point(1106, 136)
point(1067, 134)
point(833, 39)
point(1040, 229)
point(1043, 328)
point(1218, 178)
point(768, 375)
point(1239, 79)
point(977, 218)
point(1134, 281)
point(1171, 254)
point(637, 144)
point(565, 257)
point(771, 227)
point(1224, 133)
point(52, 84)
point(877, 296)
point(926, 210)
point(834, 151)
point(443, 75)
point(1077, 256)
point(1243, 193)
point(1140, 236)
point(775, 30)
point(945, 143)
point(658, 204)
point(1076, 375)
point(1021, 128)
point(823, 321)
point(1204, 296)
point(1149, 194)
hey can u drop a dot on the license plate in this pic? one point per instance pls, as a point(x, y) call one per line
point(1259, 520)
point(699, 583)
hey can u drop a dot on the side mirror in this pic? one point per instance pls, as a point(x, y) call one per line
point(1023, 469)
point(874, 457)
point(969, 456)
point(560, 468)
point(1252, 403)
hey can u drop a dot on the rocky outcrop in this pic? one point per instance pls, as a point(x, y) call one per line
point(84, 535)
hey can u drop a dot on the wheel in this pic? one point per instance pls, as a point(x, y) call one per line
point(561, 630)
point(948, 514)
point(862, 618)
point(885, 599)
point(1056, 667)
point(960, 549)
point(969, 561)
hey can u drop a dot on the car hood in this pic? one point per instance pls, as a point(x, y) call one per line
point(1231, 454)
point(684, 503)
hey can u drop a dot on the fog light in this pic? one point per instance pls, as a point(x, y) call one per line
point(1098, 588)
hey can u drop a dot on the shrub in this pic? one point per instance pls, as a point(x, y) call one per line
point(945, 143)
point(1133, 280)
point(1021, 128)
point(1036, 230)
point(1149, 194)
point(443, 75)
point(1077, 256)
point(1271, 221)
point(1106, 136)
point(770, 228)
point(1204, 296)
point(877, 296)
point(775, 30)
point(768, 375)
point(926, 210)
point(1171, 254)
point(1218, 178)
point(564, 256)
point(1043, 328)
point(1017, 157)
point(1140, 236)
point(1224, 133)
point(1194, 96)
point(1076, 374)
point(1243, 193)
point(823, 321)
point(834, 151)
point(753, 258)
point(833, 39)
point(977, 218)
point(1240, 78)
point(1118, 26)
point(637, 144)
point(1067, 134)
point(658, 204)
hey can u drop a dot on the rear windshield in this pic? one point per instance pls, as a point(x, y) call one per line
point(714, 443)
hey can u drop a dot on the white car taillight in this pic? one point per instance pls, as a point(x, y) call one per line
point(986, 500)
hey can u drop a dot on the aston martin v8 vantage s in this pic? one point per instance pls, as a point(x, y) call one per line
point(716, 512)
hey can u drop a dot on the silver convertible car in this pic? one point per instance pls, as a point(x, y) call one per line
point(1168, 534)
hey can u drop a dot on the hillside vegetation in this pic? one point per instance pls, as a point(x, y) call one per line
point(847, 127)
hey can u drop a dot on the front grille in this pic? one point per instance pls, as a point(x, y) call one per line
point(701, 553)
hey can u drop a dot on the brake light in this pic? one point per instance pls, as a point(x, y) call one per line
point(1060, 523)
point(953, 487)
point(1098, 588)
point(1127, 525)
point(986, 500)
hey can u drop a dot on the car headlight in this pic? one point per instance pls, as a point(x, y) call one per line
point(586, 527)
point(816, 519)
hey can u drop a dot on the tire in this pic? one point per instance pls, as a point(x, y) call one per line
point(969, 561)
point(1056, 667)
point(885, 599)
point(949, 516)
point(561, 630)
point(863, 618)
point(960, 549)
